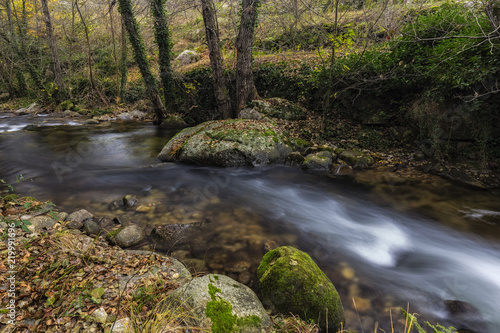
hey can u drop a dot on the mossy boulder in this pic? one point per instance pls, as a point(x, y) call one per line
point(220, 304)
point(357, 159)
point(279, 108)
point(318, 162)
point(291, 282)
point(228, 143)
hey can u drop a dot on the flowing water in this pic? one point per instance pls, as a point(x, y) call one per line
point(384, 245)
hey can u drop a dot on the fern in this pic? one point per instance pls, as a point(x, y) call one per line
point(411, 321)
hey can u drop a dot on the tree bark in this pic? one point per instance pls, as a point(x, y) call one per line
point(123, 64)
point(35, 76)
point(140, 57)
point(53, 46)
point(89, 49)
point(212, 32)
point(245, 86)
point(162, 37)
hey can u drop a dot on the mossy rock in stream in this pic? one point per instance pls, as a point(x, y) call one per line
point(291, 282)
point(357, 159)
point(228, 143)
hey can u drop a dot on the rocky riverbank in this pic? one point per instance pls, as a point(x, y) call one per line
point(67, 278)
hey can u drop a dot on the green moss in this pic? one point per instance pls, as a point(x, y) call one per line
point(10, 197)
point(28, 199)
point(291, 281)
point(220, 312)
point(110, 236)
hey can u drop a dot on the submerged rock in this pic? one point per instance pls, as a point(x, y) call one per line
point(227, 143)
point(179, 236)
point(130, 201)
point(221, 304)
point(291, 282)
point(129, 236)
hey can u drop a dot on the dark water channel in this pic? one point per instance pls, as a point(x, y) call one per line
point(383, 245)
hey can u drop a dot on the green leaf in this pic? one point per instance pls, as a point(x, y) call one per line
point(50, 301)
point(96, 295)
point(25, 228)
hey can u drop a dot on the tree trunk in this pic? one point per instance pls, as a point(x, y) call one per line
point(162, 37)
point(53, 46)
point(89, 49)
point(29, 66)
point(123, 63)
point(14, 59)
point(245, 86)
point(130, 23)
point(212, 32)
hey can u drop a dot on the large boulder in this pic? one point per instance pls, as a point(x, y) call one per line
point(228, 143)
point(187, 57)
point(220, 304)
point(290, 282)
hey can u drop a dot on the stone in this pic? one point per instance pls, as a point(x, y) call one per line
point(34, 108)
point(279, 108)
point(91, 122)
point(291, 282)
point(122, 325)
point(129, 236)
point(174, 270)
point(131, 115)
point(173, 122)
point(91, 227)
point(74, 225)
point(191, 236)
point(100, 315)
point(294, 158)
point(318, 162)
point(357, 159)
point(79, 216)
point(220, 304)
point(130, 201)
point(227, 143)
point(187, 57)
point(466, 316)
point(20, 111)
point(42, 222)
point(249, 113)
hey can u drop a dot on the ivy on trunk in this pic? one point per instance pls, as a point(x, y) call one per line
point(125, 7)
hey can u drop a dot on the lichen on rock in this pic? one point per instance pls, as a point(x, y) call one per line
point(228, 143)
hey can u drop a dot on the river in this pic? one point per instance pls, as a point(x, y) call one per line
point(383, 245)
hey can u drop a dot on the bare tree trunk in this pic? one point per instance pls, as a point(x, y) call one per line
point(219, 82)
point(89, 49)
point(162, 37)
point(245, 86)
point(130, 23)
point(53, 46)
